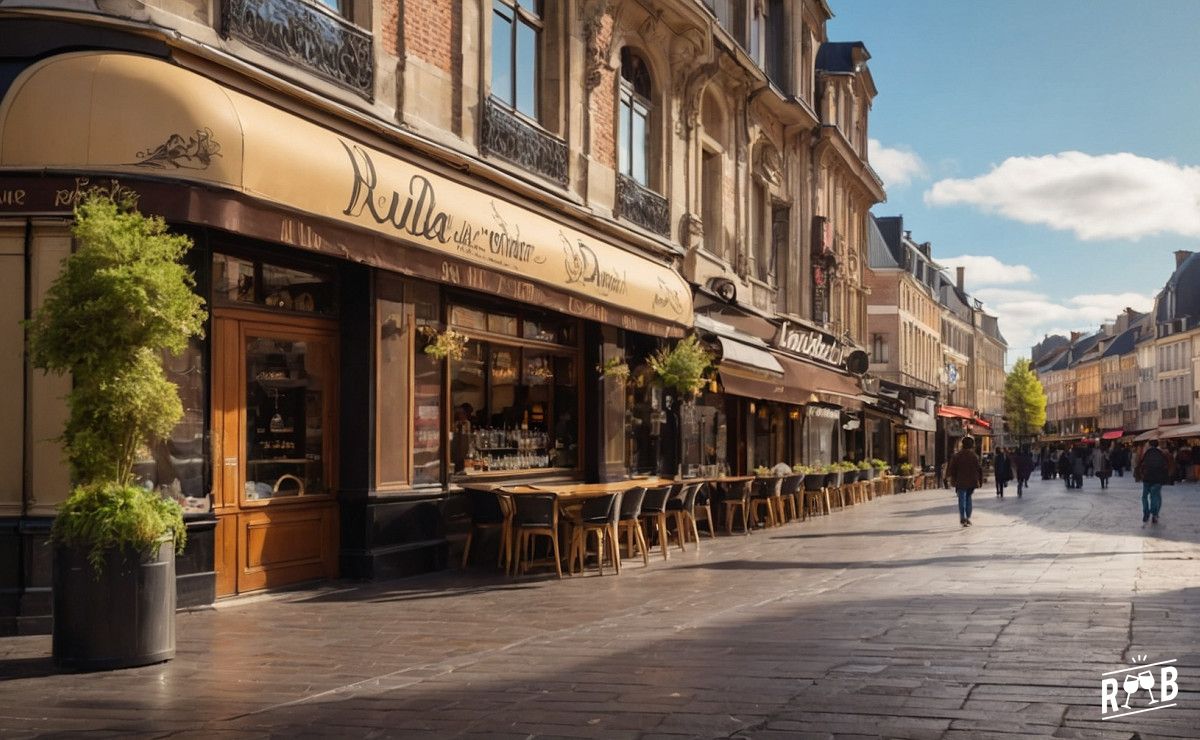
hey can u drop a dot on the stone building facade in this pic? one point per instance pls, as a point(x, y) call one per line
point(568, 183)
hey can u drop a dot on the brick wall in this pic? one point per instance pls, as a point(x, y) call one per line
point(603, 103)
point(429, 31)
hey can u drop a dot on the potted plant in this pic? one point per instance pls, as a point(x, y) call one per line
point(614, 367)
point(879, 465)
point(762, 471)
point(864, 470)
point(444, 344)
point(684, 367)
point(906, 471)
point(122, 300)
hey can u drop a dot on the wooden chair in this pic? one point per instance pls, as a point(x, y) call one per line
point(790, 491)
point(487, 513)
point(535, 515)
point(683, 507)
point(629, 521)
point(598, 516)
point(765, 494)
point(815, 500)
point(737, 495)
point(654, 513)
point(703, 501)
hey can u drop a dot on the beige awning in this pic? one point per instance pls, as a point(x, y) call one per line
point(128, 115)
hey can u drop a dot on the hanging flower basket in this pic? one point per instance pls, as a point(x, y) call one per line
point(684, 367)
point(446, 344)
point(614, 367)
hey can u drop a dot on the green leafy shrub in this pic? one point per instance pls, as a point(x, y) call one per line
point(684, 366)
point(98, 516)
point(122, 299)
point(863, 465)
point(906, 469)
point(878, 464)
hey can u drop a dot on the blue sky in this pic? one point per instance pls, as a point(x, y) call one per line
point(1058, 136)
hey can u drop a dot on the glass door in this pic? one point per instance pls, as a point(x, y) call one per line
point(275, 394)
point(287, 401)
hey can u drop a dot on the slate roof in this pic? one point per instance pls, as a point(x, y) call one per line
point(838, 56)
point(1180, 297)
point(880, 250)
point(1125, 343)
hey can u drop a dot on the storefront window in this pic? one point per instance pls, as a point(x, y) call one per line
point(287, 392)
point(515, 406)
point(820, 423)
point(239, 280)
point(704, 432)
point(177, 467)
point(427, 391)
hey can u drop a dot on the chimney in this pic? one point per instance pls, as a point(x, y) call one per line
point(961, 273)
point(1180, 256)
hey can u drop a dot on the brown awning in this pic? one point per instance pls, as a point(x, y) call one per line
point(802, 383)
point(139, 117)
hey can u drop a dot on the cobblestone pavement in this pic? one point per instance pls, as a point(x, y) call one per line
point(887, 619)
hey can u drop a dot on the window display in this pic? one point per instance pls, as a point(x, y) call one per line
point(286, 384)
point(240, 280)
point(177, 466)
point(514, 406)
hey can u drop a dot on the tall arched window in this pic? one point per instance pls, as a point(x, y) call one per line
point(634, 124)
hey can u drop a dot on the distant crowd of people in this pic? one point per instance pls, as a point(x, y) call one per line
point(1155, 466)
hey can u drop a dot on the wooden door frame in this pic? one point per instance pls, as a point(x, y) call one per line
point(230, 328)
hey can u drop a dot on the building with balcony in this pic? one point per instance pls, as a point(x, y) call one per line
point(566, 184)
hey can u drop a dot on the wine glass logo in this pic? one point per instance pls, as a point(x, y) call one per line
point(1146, 681)
point(1131, 686)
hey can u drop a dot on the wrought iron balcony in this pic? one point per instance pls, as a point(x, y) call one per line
point(642, 206)
point(507, 135)
point(307, 35)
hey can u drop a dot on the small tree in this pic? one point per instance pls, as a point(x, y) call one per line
point(123, 298)
point(1024, 401)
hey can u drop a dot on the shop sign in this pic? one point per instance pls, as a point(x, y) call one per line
point(822, 412)
point(809, 344)
point(143, 116)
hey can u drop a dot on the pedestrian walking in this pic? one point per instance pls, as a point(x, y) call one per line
point(965, 473)
point(1024, 468)
point(1102, 465)
point(1004, 471)
point(1153, 470)
point(1078, 466)
point(1064, 468)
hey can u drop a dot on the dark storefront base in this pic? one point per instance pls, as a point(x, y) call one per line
point(26, 573)
point(392, 538)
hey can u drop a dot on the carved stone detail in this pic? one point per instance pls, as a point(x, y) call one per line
point(306, 35)
point(642, 206)
point(599, 43)
point(506, 135)
point(767, 163)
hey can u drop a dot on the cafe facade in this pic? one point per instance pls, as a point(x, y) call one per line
point(382, 328)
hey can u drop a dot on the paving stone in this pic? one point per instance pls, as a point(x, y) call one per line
point(883, 620)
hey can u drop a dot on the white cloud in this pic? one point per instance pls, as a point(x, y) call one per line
point(987, 270)
point(1026, 316)
point(895, 167)
point(1110, 196)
